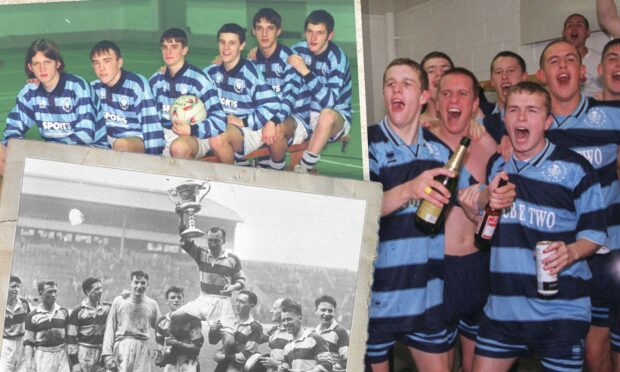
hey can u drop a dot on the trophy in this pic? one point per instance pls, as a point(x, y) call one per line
point(187, 197)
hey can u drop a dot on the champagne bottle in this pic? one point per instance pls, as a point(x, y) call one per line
point(486, 227)
point(429, 217)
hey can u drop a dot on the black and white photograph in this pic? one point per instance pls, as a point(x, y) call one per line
point(123, 266)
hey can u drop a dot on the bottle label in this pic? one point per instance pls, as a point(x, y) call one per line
point(429, 212)
point(547, 284)
point(489, 228)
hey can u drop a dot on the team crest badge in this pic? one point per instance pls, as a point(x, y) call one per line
point(67, 105)
point(324, 70)
point(103, 94)
point(124, 102)
point(432, 150)
point(307, 60)
point(42, 103)
point(277, 69)
point(596, 118)
point(555, 172)
point(239, 85)
point(218, 78)
point(184, 90)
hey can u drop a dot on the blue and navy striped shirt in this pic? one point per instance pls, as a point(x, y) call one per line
point(407, 292)
point(329, 81)
point(189, 80)
point(245, 94)
point(67, 114)
point(129, 110)
point(593, 130)
point(558, 199)
point(286, 82)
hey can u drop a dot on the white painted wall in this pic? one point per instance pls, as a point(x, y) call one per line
point(471, 32)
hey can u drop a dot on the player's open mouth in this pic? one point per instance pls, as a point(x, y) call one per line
point(505, 86)
point(454, 113)
point(397, 105)
point(521, 134)
point(616, 76)
point(563, 78)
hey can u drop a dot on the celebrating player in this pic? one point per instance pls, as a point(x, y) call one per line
point(181, 78)
point(126, 101)
point(558, 200)
point(327, 77)
point(44, 340)
point(86, 327)
point(12, 357)
point(334, 334)
point(61, 105)
point(278, 336)
point(129, 326)
point(272, 59)
point(252, 106)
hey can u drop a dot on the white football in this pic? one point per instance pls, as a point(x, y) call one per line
point(188, 109)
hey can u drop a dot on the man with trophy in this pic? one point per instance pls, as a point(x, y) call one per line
point(220, 270)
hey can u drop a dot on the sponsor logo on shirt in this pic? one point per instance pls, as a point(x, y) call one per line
point(531, 216)
point(593, 155)
point(228, 102)
point(114, 118)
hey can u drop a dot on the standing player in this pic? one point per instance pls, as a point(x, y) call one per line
point(128, 328)
point(307, 351)
point(435, 64)
point(44, 340)
point(324, 68)
point(334, 334)
point(248, 335)
point(180, 350)
point(252, 106)
point(466, 278)
point(591, 128)
point(558, 200)
point(61, 105)
point(86, 327)
point(277, 336)
point(126, 101)
point(576, 31)
point(12, 357)
point(272, 60)
point(220, 276)
point(181, 78)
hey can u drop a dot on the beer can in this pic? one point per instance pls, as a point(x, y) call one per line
point(547, 284)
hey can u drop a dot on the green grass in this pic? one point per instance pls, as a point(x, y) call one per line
point(146, 60)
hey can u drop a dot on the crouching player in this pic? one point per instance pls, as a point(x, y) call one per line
point(405, 159)
point(61, 105)
point(558, 199)
point(126, 102)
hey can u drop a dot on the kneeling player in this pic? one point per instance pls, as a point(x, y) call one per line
point(126, 102)
point(558, 199)
point(61, 105)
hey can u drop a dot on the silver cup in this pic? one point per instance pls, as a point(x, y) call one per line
point(187, 198)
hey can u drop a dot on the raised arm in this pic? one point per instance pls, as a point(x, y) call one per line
point(608, 18)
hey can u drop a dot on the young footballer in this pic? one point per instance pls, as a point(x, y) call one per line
point(324, 68)
point(559, 201)
point(591, 128)
point(335, 335)
point(126, 102)
point(12, 358)
point(44, 340)
point(60, 104)
point(181, 78)
point(577, 31)
point(86, 327)
point(252, 106)
point(272, 59)
point(277, 336)
point(128, 328)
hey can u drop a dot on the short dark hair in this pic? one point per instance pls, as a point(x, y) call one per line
point(251, 296)
point(292, 307)
point(541, 61)
point(463, 71)
point(232, 28)
point(436, 54)
point(174, 34)
point(319, 16)
point(510, 54)
point(41, 285)
point(422, 75)
point(14, 279)
point(325, 298)
point(87, 284)
point(173, 289)
point(530, 87)
point(216, 229)
point(48, 48)
point(610, 44)
point(139, 274)
point(585, 20)
point(270, 15)
point(105, 46)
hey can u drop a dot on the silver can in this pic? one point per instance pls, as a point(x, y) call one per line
point(547, 284)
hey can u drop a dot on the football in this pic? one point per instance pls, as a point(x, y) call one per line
point(188, 109)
